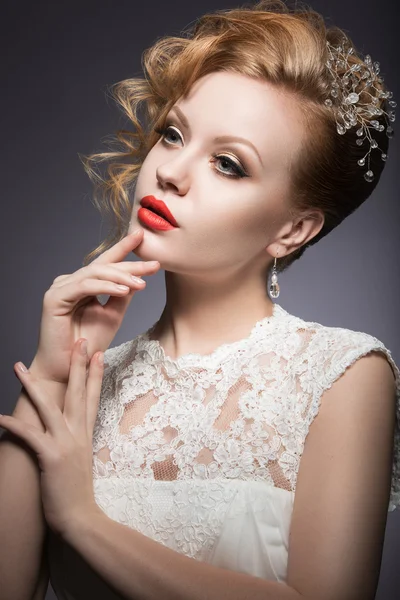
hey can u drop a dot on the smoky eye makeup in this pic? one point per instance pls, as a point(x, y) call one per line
point(236, 170)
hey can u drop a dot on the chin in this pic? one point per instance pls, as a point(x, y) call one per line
point(145, 255)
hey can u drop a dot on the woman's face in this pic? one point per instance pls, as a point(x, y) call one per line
point(230, 197)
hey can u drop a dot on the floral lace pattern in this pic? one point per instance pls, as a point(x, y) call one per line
point(241, 413)
point(140, 504)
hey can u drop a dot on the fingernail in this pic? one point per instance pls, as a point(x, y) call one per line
point(84, 346)
point(22, 367)
point(135, 232)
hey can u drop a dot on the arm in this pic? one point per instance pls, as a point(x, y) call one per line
point(338, 522)
point(139, 568)
point(22, 524)
point(342, 493)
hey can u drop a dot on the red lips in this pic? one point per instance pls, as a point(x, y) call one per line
point(159, 207)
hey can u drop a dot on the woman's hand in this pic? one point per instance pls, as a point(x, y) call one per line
point(64, 450)
point(71, 309)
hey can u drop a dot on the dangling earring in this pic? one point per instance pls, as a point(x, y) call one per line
point(274, 287)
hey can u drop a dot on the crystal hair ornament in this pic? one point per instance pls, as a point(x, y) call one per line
point(351, 110)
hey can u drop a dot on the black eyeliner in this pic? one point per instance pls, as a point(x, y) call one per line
point(240, 173)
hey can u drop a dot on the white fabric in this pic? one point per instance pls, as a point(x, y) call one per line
point(202, 453)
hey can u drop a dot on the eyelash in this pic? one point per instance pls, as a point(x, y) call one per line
point(239, 172)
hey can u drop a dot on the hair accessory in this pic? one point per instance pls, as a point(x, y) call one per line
point(351, 111)
point(274, 287)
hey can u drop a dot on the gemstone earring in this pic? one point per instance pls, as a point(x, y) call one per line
point(274, 287)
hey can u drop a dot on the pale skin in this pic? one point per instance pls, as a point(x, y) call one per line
point(339, 514)
point(231, 229)
point(212, 268)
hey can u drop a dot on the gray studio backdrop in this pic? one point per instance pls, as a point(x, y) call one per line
point(59, 58)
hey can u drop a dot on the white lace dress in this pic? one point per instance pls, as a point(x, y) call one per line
point(202, 453)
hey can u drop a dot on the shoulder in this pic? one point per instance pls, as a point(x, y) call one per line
point(350, 466)
point(113, 356)
point(346, 378)
point(118, 358)
point(347, 370)
point(330, 351)
point(357, 382)
point(347, 476)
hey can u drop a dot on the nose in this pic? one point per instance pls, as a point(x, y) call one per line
point(174, 175)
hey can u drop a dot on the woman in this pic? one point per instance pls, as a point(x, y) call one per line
point(232, 432)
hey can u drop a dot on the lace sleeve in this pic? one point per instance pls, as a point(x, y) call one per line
point(337, 349)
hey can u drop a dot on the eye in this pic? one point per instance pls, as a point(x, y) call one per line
point(236, 170)
point(163, 131)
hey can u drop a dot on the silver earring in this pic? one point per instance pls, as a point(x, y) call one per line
point(274, 287)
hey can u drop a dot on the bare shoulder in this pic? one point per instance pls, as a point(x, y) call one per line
point(343, 486)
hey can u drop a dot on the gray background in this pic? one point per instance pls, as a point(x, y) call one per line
point(58, 59)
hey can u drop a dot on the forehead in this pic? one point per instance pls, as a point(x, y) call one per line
point(228, 103)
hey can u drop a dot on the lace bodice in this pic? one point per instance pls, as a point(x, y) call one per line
point(202, 453)
point(242, 412)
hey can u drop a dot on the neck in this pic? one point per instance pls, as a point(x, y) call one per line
point(199, 316)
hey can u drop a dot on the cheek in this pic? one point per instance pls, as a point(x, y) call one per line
point(226, 237)
point(248, 228)
point(145, 171)
point(243, 216)
point(148, 170)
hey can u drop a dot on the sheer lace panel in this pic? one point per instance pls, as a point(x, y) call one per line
point(242, 412)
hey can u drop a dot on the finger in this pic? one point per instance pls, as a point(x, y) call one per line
point(47, 408)
point(32, 436)
point(78, 290)
point(124, 273)
point(93, 391)
point(118, 304)
point(73, 292)
point(61, 278)
point(75, 396)
point(121, 249)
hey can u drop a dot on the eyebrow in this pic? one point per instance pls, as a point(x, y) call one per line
point(221, 138)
